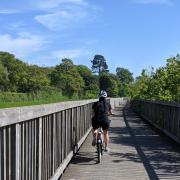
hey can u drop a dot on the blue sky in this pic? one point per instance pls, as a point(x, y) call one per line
point(133, 34)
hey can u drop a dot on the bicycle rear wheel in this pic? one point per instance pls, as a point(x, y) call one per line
point(99, 151)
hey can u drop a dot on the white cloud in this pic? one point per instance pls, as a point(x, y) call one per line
point(63, 14)
point(61, 19)
point(23, 45)
point(167, 2)
point(69, 53)
point(8, 11)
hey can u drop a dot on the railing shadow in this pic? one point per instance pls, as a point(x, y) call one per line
point(84, 158)
point(157, 152)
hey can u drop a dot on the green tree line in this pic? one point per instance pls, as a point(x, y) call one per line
point(160, 84)
point(20, 81)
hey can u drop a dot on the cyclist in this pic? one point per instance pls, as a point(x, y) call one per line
point(102, 109)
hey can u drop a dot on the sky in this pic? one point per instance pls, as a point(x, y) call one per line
point(133, 34)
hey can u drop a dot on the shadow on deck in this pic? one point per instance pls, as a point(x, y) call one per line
point(137, 151)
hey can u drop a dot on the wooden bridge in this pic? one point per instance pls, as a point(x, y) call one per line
point(38, 143)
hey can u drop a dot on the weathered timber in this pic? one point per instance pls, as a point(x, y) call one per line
point(163, 115)
point(37, 142)
point(137, 151)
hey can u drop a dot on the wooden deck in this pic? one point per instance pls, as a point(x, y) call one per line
point(137, 152)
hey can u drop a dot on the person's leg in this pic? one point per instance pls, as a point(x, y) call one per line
point(105, 127)
point(106, 138)
point(94, 133)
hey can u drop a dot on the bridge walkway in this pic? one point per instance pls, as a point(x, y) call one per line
point(137, 152)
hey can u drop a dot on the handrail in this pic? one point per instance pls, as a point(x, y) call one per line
point(168, 103)
point(10, 116)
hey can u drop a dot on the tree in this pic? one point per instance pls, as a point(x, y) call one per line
point(140, 88)
point(67, 78)
point(17, 71)
point(99, 64)
point(37, 79)
point(125, 78)
point(124, 75)
point(163, 84)
point(90, 80)
point(109, 83)
point(86, 74)
point(173, 77)
point(4, 81)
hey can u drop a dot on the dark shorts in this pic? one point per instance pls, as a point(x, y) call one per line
point(104, 124)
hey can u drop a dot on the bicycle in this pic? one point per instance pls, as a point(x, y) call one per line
point(99, 143)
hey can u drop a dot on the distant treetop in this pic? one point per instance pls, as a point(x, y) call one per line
point(99, 64)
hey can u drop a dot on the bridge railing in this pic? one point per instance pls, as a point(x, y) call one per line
point(163, 115)
point(37, 142)
point(117, 102)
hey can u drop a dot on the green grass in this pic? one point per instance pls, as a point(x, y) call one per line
point(28, 103)
point(13, 99)
point(18, 100)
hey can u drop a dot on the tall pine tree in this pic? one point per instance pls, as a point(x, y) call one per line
point(99, 64)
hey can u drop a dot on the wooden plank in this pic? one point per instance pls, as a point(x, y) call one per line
point(46, 144)
point(163, 130)
point(27, 151)
point(45, 148)
point(30, 150)
point(35, 149)
point(63, 136)
point(75, 130)
point(1, 154)
point(61, 169)
point(40, 150)
point(23, 151)
point(27, 145)
point(72, 125)
point(59, 140)
point(68, 131)
point(49, 146)
point(78, 122)
point(57, 154)
point(54, 142)
point(66, 147)
point(136, 152)
point(18, 152)
point(72, 129)
point(161, 115)
point(5, 154)
point(9, 152)
point(10, 116)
